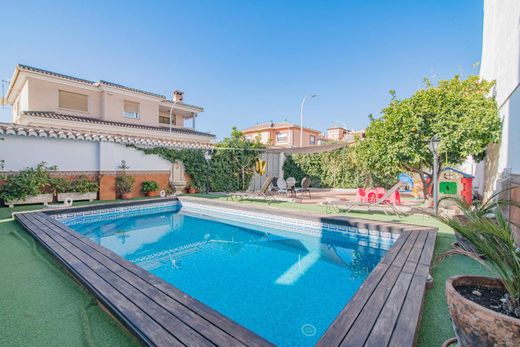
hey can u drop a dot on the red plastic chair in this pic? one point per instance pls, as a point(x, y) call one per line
point(394, 199)
point(361, 195)
point(380, 192)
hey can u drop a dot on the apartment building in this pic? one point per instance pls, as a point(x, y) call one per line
point(344, 134)
point(282, 134)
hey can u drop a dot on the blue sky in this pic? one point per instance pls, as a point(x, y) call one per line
point(251, 61)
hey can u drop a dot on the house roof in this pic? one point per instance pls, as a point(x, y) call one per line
point(53, 115)
point(465, 175)
point(74, 134)
point(276, 125)
point(309, 149)
point(99, 83)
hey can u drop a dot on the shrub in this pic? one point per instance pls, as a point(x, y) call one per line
point(124, 182)
point(150, 186)
point(27, 182)
point(84, 185)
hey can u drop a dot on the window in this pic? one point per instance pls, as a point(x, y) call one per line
point(72, 101)
point(164, 118)
point(131, 109)
point(281, 137)
point(312, 139)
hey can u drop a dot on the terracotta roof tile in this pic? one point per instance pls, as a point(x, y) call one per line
point(53, 115)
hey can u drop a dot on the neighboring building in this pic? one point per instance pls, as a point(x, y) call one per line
point(84, 127)
point(343, 134)
point(501, 62)
point(43, 98)
point(282, 134)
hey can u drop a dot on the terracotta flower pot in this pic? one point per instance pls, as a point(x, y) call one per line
point(193, 190)
point(476, 325)
point(126, 196)
point(152, 193)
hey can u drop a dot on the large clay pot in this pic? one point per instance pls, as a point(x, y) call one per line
point(152, 193)
point(476, 325)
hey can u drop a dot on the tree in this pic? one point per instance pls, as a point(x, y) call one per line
point(459, 111)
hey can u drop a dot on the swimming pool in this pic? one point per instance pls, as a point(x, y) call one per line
point(281, 279)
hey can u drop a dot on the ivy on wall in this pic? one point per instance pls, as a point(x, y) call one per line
point(193, 159)
point(230, 168)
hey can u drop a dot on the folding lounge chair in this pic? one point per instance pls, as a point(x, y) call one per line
point(383, 201)
point(263, 193)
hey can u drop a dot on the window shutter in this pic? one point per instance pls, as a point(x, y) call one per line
point(131, 107)
point(73, 101)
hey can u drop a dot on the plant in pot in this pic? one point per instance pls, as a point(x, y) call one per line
point(485, 311)
point(82, 188)
point(28, 186)
point(150, 188)
point(124, 182)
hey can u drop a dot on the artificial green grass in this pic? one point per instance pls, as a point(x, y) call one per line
point(41, 305)
point(436, 323)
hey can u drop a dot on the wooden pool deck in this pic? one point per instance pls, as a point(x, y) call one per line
point(385, 311)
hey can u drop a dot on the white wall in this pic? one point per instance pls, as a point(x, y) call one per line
point(111, 155)
point(501, 62)
point(20, 152)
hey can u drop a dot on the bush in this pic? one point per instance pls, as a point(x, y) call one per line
point(124, 182)
point(25, 183)
point(84, 185)
point(150, 186)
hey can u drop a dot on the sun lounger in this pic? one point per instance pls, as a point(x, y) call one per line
point(383, 201)
point(262, 193)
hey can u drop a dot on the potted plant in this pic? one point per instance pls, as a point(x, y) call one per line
point(124, 182)
point(81, 188)
point(29, 186)
point(150, 188)
point(486, 311)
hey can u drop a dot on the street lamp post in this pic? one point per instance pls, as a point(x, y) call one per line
point(301, 116)
point(434, 147)
point(171, 110)
point(207, 156)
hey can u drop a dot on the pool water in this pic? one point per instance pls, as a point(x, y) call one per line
point(285, 286)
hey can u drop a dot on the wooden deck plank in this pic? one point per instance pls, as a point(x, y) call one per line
point(379, 336)
point(404, 334)
point(342, 324)
point(427, 255)
point(362, 328)
point(209, 316)
point(396, 247)
point(151, 332)
point(182, 331)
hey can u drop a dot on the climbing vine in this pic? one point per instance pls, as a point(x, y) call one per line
point(230, 168)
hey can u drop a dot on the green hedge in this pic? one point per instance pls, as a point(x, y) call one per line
point(338, 169)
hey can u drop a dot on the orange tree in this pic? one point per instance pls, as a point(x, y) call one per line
point(461, 112)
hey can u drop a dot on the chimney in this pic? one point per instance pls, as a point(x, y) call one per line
point(178, 96)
